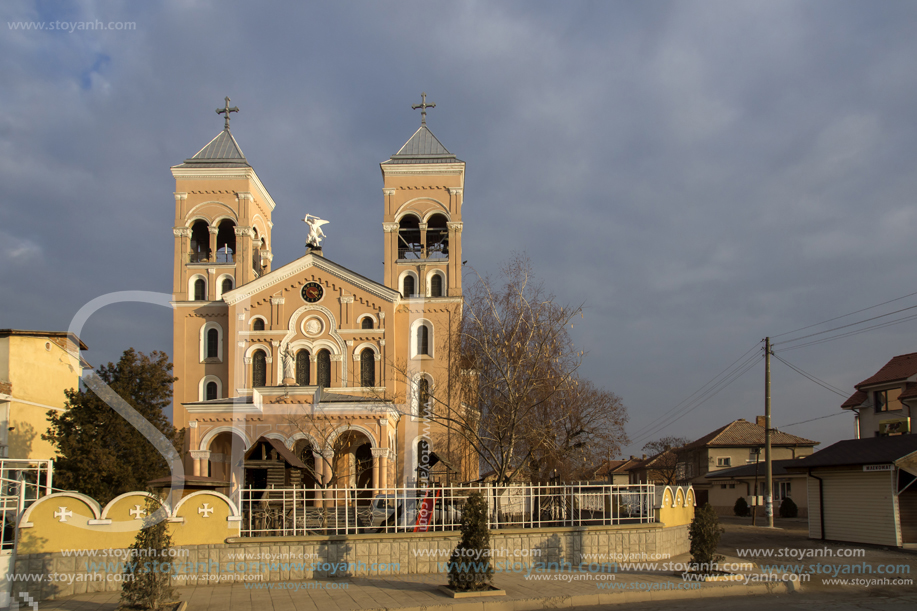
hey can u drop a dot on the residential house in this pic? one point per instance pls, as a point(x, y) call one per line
point(615, 471)
point(36, 367)
point(660, 469)
point(884, 402)
point(727, 485)
point(738, 443)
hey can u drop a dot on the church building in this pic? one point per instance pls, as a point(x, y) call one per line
point(332, 371)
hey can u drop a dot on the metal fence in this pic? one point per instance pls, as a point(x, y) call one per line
point(337, 511)
point(22, 482)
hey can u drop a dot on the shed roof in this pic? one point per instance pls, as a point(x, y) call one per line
point(868, 451)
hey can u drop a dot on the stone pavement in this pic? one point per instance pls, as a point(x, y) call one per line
point(414, 592)
point(555, 589)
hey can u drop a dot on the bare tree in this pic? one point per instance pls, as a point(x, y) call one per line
point(513, 397)
point(664, 459)
point(581, 426)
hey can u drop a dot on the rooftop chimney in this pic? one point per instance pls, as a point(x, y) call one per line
point(760, 421)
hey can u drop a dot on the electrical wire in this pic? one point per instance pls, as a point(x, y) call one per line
point(744, 368)
point(814, 419)
point(854, 332)
point(812, 378)
point(845, 315)
point(699, 390)
point(853, 324)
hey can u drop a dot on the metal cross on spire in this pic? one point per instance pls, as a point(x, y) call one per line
point(227, 110)
point(423, 106)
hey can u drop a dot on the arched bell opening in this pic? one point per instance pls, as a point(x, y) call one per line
point(410, 245)
point(437, 237)
point(226, 241)
point(200, 242)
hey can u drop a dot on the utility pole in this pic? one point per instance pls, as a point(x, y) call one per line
point(768, 471)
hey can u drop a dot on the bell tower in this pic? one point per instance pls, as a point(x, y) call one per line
point(423, 186)
point(222, 240)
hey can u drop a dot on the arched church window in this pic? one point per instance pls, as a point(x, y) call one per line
point(213, 343)
point(323, 368)
point(367, 368)
point(259, 369)
point(200, 290)
point(227, 286)
point(302, 367)
point(211, 391)
point(436, 286)
point(258, 325)
point(423, 396)
point(408, 286)
point(423, 340)
point(366, 323)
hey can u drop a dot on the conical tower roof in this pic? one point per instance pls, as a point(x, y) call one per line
point(221, 152)
point(423, 147)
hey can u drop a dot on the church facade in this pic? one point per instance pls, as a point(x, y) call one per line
point(337, 370)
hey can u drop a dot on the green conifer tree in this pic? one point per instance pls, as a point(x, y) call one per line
point(469, 567)
point(705, 534)
point(102, 455)
point(147, 572)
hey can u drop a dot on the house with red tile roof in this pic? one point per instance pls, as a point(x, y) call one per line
point(884, 402)
point(738, 443)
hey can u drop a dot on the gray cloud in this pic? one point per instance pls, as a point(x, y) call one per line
point(701, 174)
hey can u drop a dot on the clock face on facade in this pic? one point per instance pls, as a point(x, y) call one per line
point(312, 292)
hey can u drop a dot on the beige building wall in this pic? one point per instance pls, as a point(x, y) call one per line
point(35, 370)
point(211, 194)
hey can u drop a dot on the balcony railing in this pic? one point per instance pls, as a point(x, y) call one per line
point(203, 257)
point(416, 252)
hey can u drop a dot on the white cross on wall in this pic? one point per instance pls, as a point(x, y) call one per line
point(63, 514)
point(206, 510)
point(137, 512)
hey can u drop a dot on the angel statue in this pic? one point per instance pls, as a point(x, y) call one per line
point(315, 231)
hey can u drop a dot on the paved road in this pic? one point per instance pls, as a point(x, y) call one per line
point(816, 601)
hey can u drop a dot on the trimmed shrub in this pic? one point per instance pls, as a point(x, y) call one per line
point(469, 566)
point(741, 508)
point(146, 585)
point(705, 534)
point(788, 508)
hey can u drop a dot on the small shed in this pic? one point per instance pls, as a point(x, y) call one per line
point(270, 464)
point(863, 491)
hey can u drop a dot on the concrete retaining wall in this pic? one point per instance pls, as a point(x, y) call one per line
point(297, 558)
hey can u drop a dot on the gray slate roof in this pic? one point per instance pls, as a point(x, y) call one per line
point(423, 147)
point(221, 152)
point(868, 451)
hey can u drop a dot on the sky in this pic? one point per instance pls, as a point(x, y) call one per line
point(698, 174)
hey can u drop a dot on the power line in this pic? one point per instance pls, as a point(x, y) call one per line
point(853, 324)
point(812, 378)
point(846, 315)
point(696, 392)
point(813, 419)
point(746, 366)
point(854, 332)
